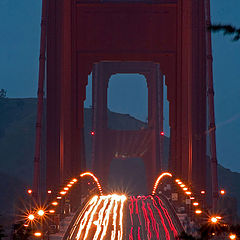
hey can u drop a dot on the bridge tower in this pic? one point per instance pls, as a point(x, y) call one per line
point(144, 143)
point(171, 33)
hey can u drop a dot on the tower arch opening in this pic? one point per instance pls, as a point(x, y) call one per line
point(128, 96)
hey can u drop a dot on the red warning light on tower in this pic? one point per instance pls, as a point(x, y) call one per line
point(162, 133)
point(92, 133)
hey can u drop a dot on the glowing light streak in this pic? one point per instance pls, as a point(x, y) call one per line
point(106, 218)
point(91, 218)
point(131, 234)
point(85, 217)
point(139, 236)
point(168, 217)
point(131, 209)
point(147, 221)
point(98, 222)
point(158, 180)
point(94, 178)
point(120, 232)
point(162, 220)
point(114, 231)
point(136, 210)
point(153, 221)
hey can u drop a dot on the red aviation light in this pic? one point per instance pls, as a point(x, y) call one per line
point(162, 133)
point(92, 133)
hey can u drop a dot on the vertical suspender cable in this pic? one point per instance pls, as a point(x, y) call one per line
point(210, 92)
point(41, 77)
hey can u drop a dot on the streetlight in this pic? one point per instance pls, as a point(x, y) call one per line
point(232, 236)
point(40, 212)
point(54, 203)
point(37, 234)
point(198, 211)
point(195, 204)
point(213, 220)
point(31, 217)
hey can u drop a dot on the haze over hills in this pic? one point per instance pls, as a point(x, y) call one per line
point(17, 132)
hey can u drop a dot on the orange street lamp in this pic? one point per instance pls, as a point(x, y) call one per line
point(185, 189)
point(49, 191)
point(232, 236)
point(182, 185)
point(177, 180)
point(74, 180)
point(37, 234)
point(203, 192)
point(218, 217)
point(52, 211)
point(198, 211)
point(54, 203)
point(213, 220)
point(40, 212)
point(66, 188)
point(31, 217)
point(195, 204)
point(63, 192)
point(179, 183)
point(188, 193)
point(69, 185)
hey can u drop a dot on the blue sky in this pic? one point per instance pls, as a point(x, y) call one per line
point(19, 51)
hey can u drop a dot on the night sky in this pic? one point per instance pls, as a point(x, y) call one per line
point(19, 51)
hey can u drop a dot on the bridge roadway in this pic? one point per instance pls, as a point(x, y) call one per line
point(121, 218)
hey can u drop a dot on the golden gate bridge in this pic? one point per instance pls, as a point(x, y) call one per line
point(165, 37)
